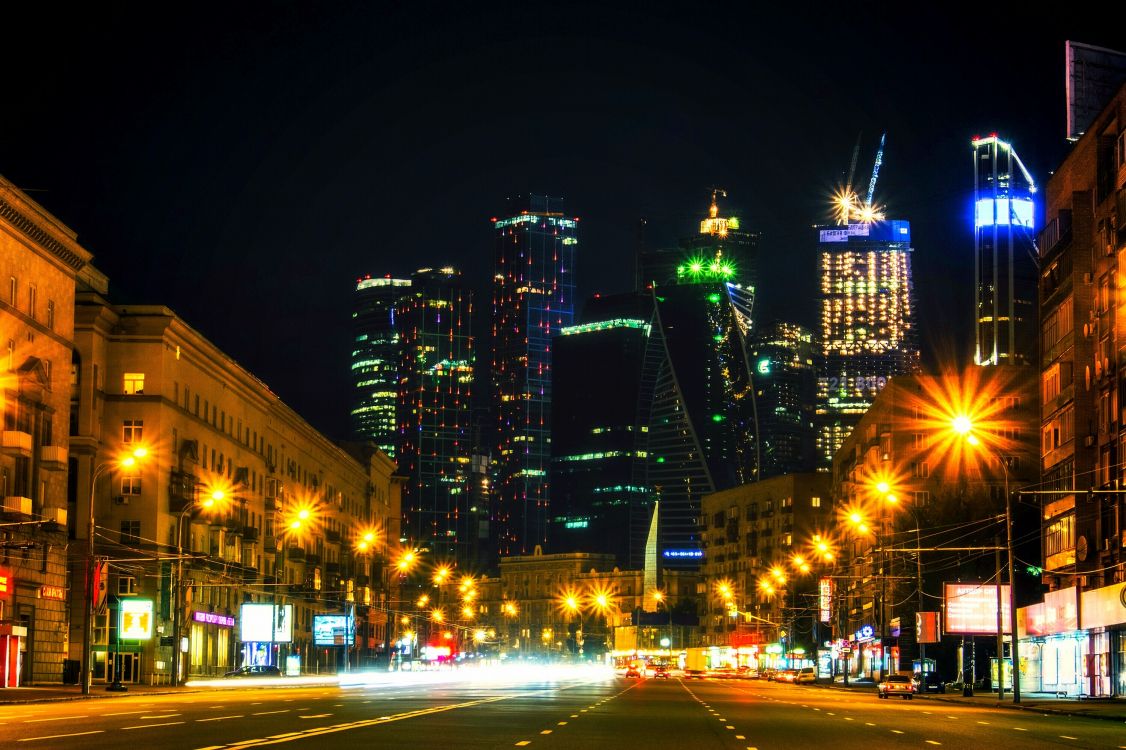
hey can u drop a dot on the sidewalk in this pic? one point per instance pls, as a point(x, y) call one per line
point(1112, 709)
point(51, 693)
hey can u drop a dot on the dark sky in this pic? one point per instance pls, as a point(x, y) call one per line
point(243, 163)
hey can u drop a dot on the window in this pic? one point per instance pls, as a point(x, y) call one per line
point(815, 502)
point(11, 354)
point(919, 441)
point(134, 384)
point(50, 315)
point(31, 300)
point(130, 532)
point(127, 585)
point(47, 372)
point(922, 498)
point(920, 469)
point(13, 290)
point(1059, 536)
point(132, 430)
point(130, 486)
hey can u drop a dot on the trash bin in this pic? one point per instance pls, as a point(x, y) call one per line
point(968, 690)
point(71, 670)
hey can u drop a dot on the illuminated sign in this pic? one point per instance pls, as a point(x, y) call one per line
point(927, 628)
point(764, 366)
point(333, 630)
point(971, 608)
point(210, 618)
point(6, 583)
point(134, 619)
point(266, 623)
point(895, 230)
point(1004, 211)
point(866, 633)
point(682, 553)
point(825, 598)
point(58, 593)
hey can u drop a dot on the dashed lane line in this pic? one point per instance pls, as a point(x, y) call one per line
point(152, 726)
point(58, 736)
point(267, 713)
point(896, 731)
point(56, 718)
point(522, 743)
point(546, 731)
point(1067, 737)
point(932, 742)
point(123, 713)
point(161, 716)
point(562, 724)
point(221, 718)
point(314, 716)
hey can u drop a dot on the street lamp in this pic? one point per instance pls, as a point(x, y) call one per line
point(963, 425)
point(299, 518)
point(213, 499)
point(128, 461)
point(884, 489)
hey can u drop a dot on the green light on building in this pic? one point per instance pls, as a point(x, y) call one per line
point(764, 366)
point(718, 417)
point(714, 297)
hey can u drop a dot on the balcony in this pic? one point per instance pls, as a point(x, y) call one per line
point(332, 568)
point(16, 442)
point(16, 505)
point(271, 503)
point(250, 533)
point(332, 536)
point(53, 457)
point(312, 558)
point(295, 553)
point(1055, 233)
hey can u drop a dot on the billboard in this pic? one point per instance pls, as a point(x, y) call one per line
point(971, 608)
point(892, 230)
point(266, 623)
point(825, 598)
point(333, 630)
point(134, 619)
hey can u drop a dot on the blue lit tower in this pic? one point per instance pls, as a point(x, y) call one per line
point(702, 428)
point(375, 361)
point(1004, 255)
point(435, 413)
point(868, 330)
point(533, 288)
point(600, 501)
point(786, 398)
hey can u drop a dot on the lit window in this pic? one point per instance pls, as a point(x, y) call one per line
point(815, 502)
point(134, 384)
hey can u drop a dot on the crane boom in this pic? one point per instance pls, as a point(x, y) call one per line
point(876, 170)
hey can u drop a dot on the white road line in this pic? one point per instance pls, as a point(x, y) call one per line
point(1019, 729)
point(869, 724)
point(161, 716)
point(546, 731)
point(220, 718)
point(932, 742)
point(1068, 737)
point(521, 743)
point(896, 731)
point(314, 716)
point(574, 716)
point(57, 718)
point(150, 726)
point(983, 722)
point(561, 724)
point(57, 736)
point(740, 737)
point(123, 713)
point(264, 713)
point(849, 718)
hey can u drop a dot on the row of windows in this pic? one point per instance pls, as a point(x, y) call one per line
point(32, 301)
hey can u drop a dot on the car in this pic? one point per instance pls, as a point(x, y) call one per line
point(805, 676)
point(633, 672)
point(928, 682)
point(661, 673)
point(255, 670)
point(896, 684)
point(769, 674)
point(786, 675)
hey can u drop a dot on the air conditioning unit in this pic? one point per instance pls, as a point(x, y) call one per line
point(121, 500)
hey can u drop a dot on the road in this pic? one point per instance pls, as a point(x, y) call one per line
point(569, 710)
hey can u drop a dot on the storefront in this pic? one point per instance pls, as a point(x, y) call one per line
point(210, 650)
point(1102, 613)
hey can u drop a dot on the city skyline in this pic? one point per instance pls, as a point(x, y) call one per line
point(209, 189)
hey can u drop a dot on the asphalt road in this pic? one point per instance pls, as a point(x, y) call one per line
point(548, 711)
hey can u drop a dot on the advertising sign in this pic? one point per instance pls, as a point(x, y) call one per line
point(971, 608)
point(927, 628)
point(134, 619)
point(825, 598)
point(210, 618)
point(266, 623)
point(1104, 607)
point(333, 630)
point(58, 593)
point(6, 584)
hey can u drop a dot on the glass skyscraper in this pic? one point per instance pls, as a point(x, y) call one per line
point(868, 330)
point(533, 289)
point(434, 319)
point(783, 359)
point(375, 361)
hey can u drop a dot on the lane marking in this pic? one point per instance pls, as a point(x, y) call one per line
point(1019, 729)
point(561, 724)
point(266, 713)
point(983, 722)
point(314, 716)
point(1068, 737)
point(521, 743)
point(57, 736)
point(123, 713)
point(932, 742)
point(869, 724)
point(849, 718)
point(161, 716)
point(150, 726)
point(740, 737)
point(897, 731)
point(574, 716)
point(546, 731)
point(729, 727)
point(59, 718)
point(220, 718)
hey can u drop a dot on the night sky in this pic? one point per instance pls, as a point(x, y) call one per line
point(244, 163)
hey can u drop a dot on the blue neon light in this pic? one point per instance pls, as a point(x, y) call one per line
point(697, 553)
point(1016, 211)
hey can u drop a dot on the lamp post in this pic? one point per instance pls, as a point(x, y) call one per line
point(964, 426)
point(128, 461)
point(299, 518)
point(209, 503)
point(884, 488)
point(659, 599)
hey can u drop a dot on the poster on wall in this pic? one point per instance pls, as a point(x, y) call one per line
point(266, 623)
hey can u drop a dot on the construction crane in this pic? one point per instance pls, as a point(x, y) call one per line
point(849, 207)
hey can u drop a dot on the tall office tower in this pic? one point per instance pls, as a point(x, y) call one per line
point(600, 501)
point(702, 427)
point(434, 320)
point(867, 323)
point(533, 287)
point(718, 237)
point(375, 361)
point(786, 398)
point(1005, 263)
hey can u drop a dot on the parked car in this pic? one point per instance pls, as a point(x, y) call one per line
point(896, 684)
point(255, 670)
point(928, 682)
point(805, 676)
point(786, 675)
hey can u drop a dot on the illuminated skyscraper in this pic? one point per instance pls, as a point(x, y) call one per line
point(702, 427)
point(533, 288)
point(786, 398)
point(867, 322)
point(434, 320)
point(1004, 255)
point(375, 361)
point(600, 501)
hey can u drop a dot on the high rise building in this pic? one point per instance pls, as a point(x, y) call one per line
point(1005, 261)
point(718, 237)
point(434, 321)
point(600, 500)
point(786, 398)
point(375, 361)
point(533, 289)
point(867, 322)
point(702, 423)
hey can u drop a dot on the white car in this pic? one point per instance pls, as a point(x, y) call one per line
point(805, 676)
